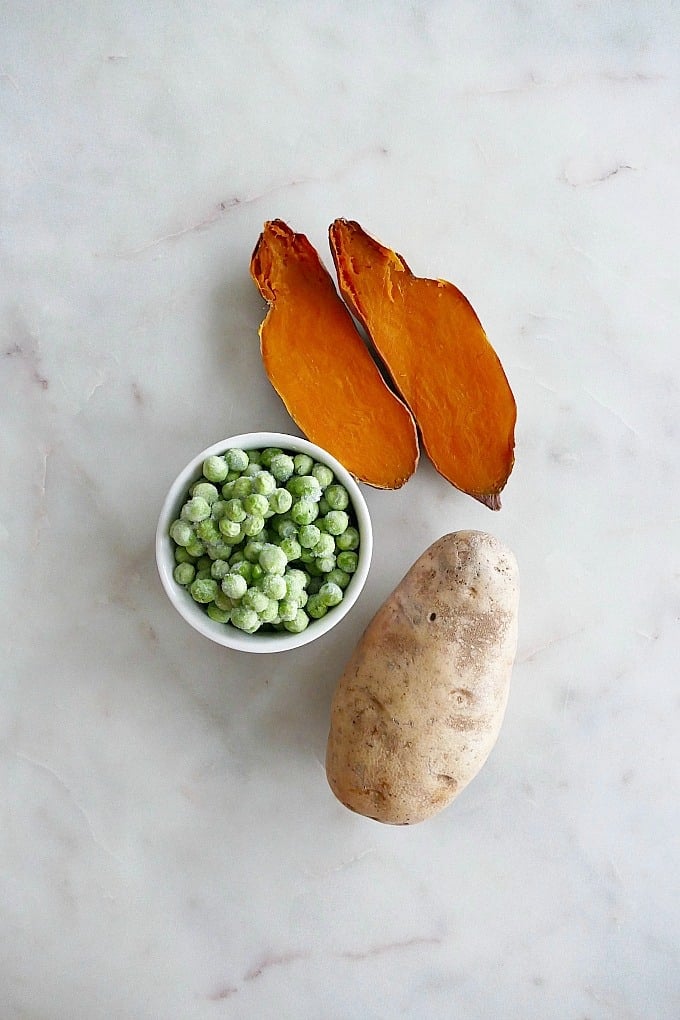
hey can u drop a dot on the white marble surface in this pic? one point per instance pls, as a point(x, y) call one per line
point(169, 848)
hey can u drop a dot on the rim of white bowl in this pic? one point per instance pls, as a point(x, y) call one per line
point(223, 634)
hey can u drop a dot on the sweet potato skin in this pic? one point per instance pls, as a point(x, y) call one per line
point(439, 358)
point(321, 368)
point(421, 701)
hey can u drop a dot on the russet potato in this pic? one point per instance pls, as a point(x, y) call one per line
point(420, 703)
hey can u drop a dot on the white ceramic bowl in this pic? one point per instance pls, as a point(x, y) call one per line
point(224, 633)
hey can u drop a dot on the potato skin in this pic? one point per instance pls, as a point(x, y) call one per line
point(420, 703)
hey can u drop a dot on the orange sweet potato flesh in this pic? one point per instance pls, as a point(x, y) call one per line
point(321, 368)
point(438, 355)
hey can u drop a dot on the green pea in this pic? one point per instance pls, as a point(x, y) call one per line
point(203, 574)
point(234, 585)
point(309, 536)
point(286, 528)
point(270, 612)
point(203, 563)
point(245, 569)
point(297, 625)
point(325, 564)
point(336, 521)
point(256, 504)
point(292, 548)
point(280, 501)
point(273, 559)
point(348, 561)
point(228, 488)
point(349, 539)
point(219, 569)
point(207, 531)
point(218, 509)
point(337, 496)
point(323, 475)
point(314, 585)
point(223, 601)
point(242, 487)
point(254, 456)
point(219, 550)
point(274, 586)
point(267, 455)
point(234, 510)
point(252, 526)
point(182, 533)
point(182, 556)
point(324, 506)
point(215, 468)
point(245, 619)
point(303, 463)
point(203, 589)
point(295, 581)
point(325, 546)
point(304, 486)
point(252, 551)
point(184, 573)
point(339, 577)
point(316, 607)
point(196, 547)
point(305, 511)
point(237, 460)
point(252, 470)
point(330, 593)
point(206, 490)
point(282, 467)
point(217, 614)
point(257, 573)
point(255, 599)
point(288, 609)
point(264, 484)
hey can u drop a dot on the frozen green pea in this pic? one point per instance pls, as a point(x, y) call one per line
point(203, 574)
point(195, 509)
point(323, 475)
point(252, 551)
point(336, 521)
point(257, 573)
point(232, 476)
point(236, 556)
point(270, 612)
point(304, 486)
point(203, 563)
point(285, 528)
point(288, 608)
point(339, 577)
point(254, 456)
point(280, 501)
point(302, 598)
point(307, 556)
point(234, 510)
point(274, 586)
point(184, 573)
point(223, 601)
point(228, 489)
point(282, 467)
point(309, 535)
point(215, 468)
point(237, 460)
point(196, 547)
point(251, 471)
point(255, 599)
point(217, 614)
point(325, 546)
point(297, 625)
point(219, 550)
point(305, 511)
point(348, 561)
point(292, 548)
point(252, 526)
point(330, 593)
point(242, 487)
point(229, 529)
point(324, 506)
point(182, 533)
point(314, 585)
point(245, 619)
point(325, 564)
point(219, 569)
point(337, 497)
point(264, 484)
point(234, 585)
point(256, 504)
point(273, 559)
point(218, 509)
point(303, 463)
point(182, 556)
point(268, 455)
point(207, 491)
point(295, 581)
point(316, 607)
point(207, 531)
point(244, 568)
point(349, 539)
point(203, 589)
